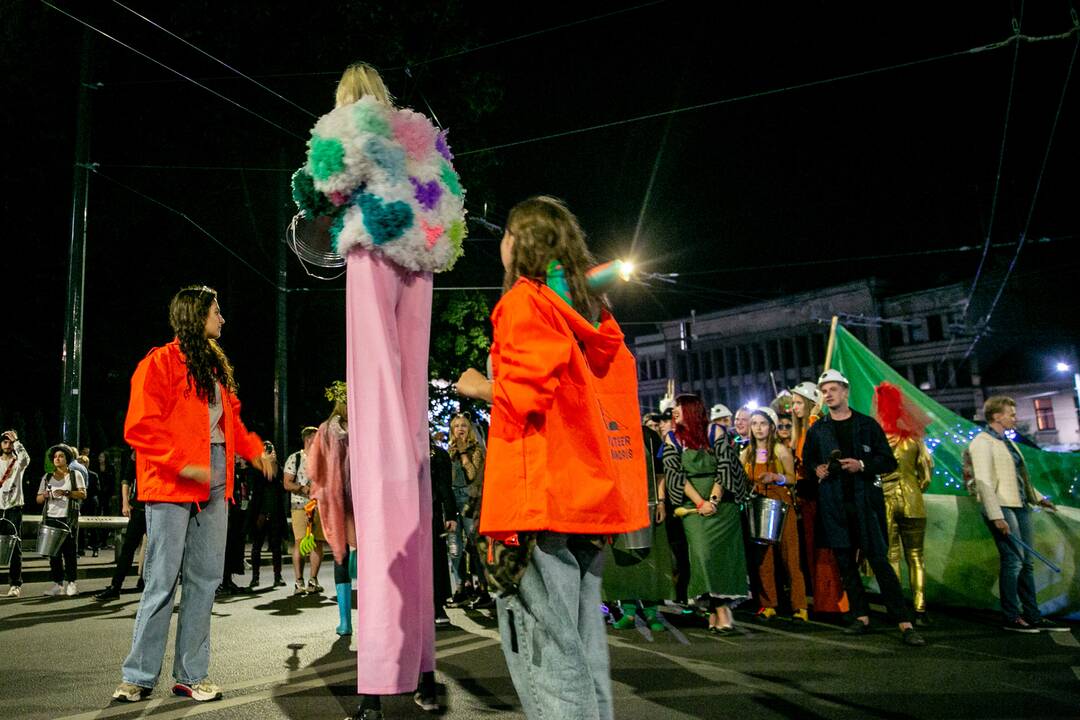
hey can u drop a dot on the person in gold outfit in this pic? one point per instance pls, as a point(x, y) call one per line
point(905, 513)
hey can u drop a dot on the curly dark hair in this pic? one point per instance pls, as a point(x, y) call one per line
point(206, 361)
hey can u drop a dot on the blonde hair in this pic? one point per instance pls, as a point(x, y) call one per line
point(470, 436)
point(995, 405)
point(544, 229)
point(361, 80)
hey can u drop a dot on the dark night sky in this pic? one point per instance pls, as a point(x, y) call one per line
point(902, 161)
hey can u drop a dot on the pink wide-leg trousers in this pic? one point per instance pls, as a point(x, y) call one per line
point(388, 319)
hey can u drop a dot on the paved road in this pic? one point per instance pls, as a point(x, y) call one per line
point(278, 657)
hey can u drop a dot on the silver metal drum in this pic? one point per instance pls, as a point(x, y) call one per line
point(767, 519)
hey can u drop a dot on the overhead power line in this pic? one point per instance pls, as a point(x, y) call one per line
point(427, 61)
point(175, 72)
point(766, 93)
point(195, 47)
point(985, 323)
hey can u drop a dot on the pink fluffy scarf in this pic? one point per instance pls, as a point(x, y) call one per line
point(328, 468)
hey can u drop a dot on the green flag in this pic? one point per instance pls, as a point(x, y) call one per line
point(961, 559)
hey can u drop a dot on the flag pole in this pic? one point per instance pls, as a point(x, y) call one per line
point(832, 343)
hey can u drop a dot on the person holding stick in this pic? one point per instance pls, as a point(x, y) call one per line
point(1005, 492)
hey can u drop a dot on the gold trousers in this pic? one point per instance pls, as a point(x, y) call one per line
point(906, 536)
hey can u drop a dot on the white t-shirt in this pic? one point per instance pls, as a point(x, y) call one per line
point(58, 507)
point(12, 467)
point(296, 465)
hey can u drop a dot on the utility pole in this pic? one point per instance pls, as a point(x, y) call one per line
point(70, 398)
point(281, 358)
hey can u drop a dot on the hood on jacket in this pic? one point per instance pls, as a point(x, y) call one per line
point(599, 341)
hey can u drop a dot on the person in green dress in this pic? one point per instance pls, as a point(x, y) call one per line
point(708, 485)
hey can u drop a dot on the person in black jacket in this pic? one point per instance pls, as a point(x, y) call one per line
point(847, 451)
point(443, 521)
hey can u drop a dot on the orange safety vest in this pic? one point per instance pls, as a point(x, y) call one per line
point(565, 450)
point(168, 425)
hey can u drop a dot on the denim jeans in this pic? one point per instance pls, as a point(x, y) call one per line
point(1017, 573)
point(553, 633)
point(461, 496)
point(179, 539)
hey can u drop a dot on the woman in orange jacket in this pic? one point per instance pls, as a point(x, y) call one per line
point(565, 464)
point(184, 423)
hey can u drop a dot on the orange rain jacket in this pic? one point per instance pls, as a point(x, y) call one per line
point(565, 451)
point(168, 424)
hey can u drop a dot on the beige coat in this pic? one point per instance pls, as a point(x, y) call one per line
point(995, 476)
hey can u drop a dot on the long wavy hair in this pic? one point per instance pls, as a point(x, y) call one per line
point(749, 453)
point(544, 229)
point(472, 439)
point(206, 361)
point(692, 430)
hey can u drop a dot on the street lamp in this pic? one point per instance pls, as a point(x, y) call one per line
point(1063, 367)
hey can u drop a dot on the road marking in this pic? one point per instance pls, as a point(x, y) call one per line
point(283, 684)
point(1076, 672)
point(462, 620)
point(872, 649)
point(1066, 639)
point(713, 673)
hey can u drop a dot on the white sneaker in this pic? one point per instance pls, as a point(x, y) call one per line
point(202, 691)
point(56, 589)
point(72, 589)
point(14, 591)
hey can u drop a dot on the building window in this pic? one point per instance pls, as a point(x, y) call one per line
point(896, 335)
point(643, 369)
point(1044, 414)
point(661, 368)
point(935, 328)
point(680, 367)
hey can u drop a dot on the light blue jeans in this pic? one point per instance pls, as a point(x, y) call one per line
point(553, 633)
point(180, 539)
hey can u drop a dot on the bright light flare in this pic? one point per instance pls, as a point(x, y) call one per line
point(1063, 367)
point(626, 270)
point(752, 405)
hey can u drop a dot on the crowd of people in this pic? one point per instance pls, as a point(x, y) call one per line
point(704, 509)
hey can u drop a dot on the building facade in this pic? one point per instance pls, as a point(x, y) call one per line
point(741, 354)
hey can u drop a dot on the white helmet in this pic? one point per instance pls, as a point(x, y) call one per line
point(832, 376)
point(809, 391)
point(767, 412)
point(666, 404)
point(719, 411)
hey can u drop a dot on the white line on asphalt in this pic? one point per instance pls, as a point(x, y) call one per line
point(284, 684)
point(1076, 672)
point(872, 649)
point(1066, 639)
point(712, 672)
point(462, 620)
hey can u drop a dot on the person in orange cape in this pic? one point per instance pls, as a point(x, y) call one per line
point(183, 420)
point(565, 463)
point(822, 570)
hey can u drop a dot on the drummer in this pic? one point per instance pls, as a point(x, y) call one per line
point(707, 484)
point(771, 468)
point(59, 493)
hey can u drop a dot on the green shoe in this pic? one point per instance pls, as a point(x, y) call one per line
point(626, 622)
point(655, 624)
